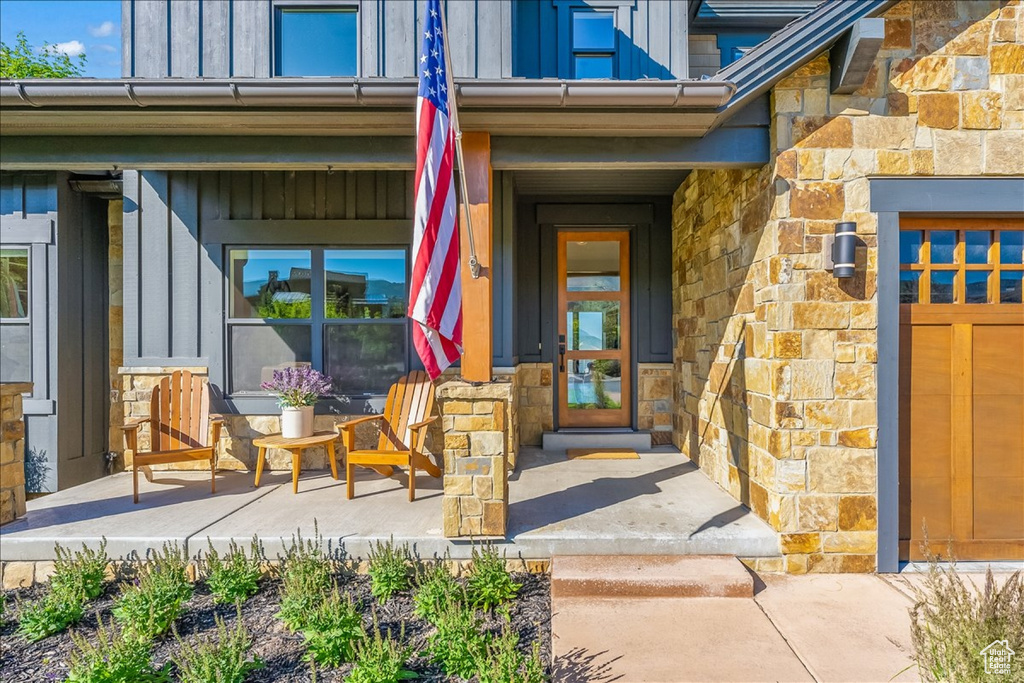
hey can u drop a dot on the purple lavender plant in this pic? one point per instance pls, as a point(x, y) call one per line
point(298, 387)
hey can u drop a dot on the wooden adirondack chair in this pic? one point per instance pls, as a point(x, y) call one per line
point(403, 430)
point(180, 425)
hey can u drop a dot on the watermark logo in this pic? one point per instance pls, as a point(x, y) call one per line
point(997, 657)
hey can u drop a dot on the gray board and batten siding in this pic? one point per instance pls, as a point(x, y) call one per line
point(178, 224)
point(234, 38)
point(66, 236)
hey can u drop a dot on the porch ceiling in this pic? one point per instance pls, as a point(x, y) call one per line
point(598, 182)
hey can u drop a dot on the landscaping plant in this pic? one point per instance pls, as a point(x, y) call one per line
point(148, 607)
point(116, 657)
point(457, 642)
point(332, 630)
point(77, 578)
point(305, 580)
point(381, 660)
point(490, 584)
point(436, 588)
point(225, 660)
point(952, 622)
point(234, 577)
point(389, 569)
point(500, 661)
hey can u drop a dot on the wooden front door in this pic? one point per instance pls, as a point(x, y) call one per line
point(593, 329)
point(962, 388)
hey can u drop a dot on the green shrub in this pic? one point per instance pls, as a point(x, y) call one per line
point(457, 642)
point(115, 658)
point(436, 588)
point(500, 661)
point(77, 578)
point(389, 569)
point(489, 584)
point(952, 622)
point(332, 630)
point(236, 576)
point(148, 607)
point(305, 580)
point(225, 660)
point(381, 660)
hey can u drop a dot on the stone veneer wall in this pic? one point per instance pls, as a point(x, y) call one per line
point(12, 450)
point(536, 402)
point(775, 360)
point(481, 437)
point(655, 401)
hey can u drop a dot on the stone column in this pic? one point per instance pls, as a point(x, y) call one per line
point(479, 436)
point(12, 450)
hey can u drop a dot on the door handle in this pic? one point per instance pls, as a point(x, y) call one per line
point(561, 353)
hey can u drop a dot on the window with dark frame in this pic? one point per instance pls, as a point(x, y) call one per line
point(961, 261)
point(340, 310)
point(593, 44)
point(15, 319)
point(316, 40)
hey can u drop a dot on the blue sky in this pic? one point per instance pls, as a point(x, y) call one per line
point(90, 25)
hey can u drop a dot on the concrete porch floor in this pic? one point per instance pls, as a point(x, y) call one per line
point(659, 504)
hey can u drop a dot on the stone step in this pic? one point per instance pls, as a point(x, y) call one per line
point(650, 576)
point(563, 440)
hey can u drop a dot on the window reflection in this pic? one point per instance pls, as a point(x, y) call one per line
point(594, 384)
point(13, 283)
point(365, 283)
point(270, 283)
point(592, 266)
point(365, 358)
point(316, 42)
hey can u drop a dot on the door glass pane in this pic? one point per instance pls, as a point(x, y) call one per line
point(13, 283)
point(1011, 246)
point(364, 358)
point(910, 246)
point(316, 42)
point(365, 283)
point(943, 245)
point(942, 286)
point(910, 281)
point(594, 384)
point(592, 325)
point(594, 66)
point(592, 266)
point(1010, 286)
point(15, 352)
point(593, 30)
point(976, 245)
point(270, 283)
point(258, 350)
point(977, 286)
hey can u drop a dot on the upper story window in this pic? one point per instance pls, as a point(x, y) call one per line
point(316, 40)
point(593, 44)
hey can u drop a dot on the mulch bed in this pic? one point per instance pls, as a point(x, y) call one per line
point(282, 652)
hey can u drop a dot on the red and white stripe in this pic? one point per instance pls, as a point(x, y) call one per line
point(435, 302)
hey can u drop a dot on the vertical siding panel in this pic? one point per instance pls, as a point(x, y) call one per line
point(241, 194)
point(127, 38)
point(659, 38)
point(639, 64)
point(289, 194)
point(321, 194)
point(369, 42)
point(401, 38)
point(130, 259)
point(462, 28)
point(184, 229)
point(490, 49)
point(547, 22)
point(209, 190)
point(151, 37)
point(185, 47)
point(335, 195)
point(395, 194)
point(506, 38)
point(6, 195)
point(350, 194)
point(257, 194)
point(679, 62)
point(273, 194)
point(211, 284)
point(250, 38)
point(224, 194)
point(624, 38)
point(380, 194)
point(154, 289)
point(305, 194)
point(216, 62)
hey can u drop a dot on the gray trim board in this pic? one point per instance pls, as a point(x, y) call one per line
point(891, 198)
point(853, 56)
point(312, 231)
point(26, 230)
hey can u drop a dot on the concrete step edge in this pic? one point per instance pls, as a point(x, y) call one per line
point(650, 576)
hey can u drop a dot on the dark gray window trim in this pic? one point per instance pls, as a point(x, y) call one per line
point(890, 198)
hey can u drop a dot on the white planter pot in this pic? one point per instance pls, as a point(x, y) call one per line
point(297, 423)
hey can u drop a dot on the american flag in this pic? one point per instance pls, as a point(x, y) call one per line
point(435, 297)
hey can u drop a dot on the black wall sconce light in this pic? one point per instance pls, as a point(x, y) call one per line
point(840, 251)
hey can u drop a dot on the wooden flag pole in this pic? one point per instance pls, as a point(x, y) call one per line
point(453, 121)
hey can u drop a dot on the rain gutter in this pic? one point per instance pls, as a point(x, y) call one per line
point(356, 92)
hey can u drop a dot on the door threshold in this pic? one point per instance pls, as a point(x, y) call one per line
point(596, 438)
point(596, 430)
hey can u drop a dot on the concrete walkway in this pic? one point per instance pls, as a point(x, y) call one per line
point(836, 628)
point(659, 504)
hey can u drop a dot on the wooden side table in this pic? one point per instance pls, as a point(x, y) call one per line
point(296, 446)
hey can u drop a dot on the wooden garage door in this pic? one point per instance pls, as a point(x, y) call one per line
point(962, 388)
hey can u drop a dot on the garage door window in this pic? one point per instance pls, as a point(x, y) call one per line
point(962, 262)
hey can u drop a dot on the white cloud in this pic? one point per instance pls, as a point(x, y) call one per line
point(71, 48)
point(99, 47)
point(103, 30)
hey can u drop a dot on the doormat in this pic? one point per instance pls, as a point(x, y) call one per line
point(601, 454)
